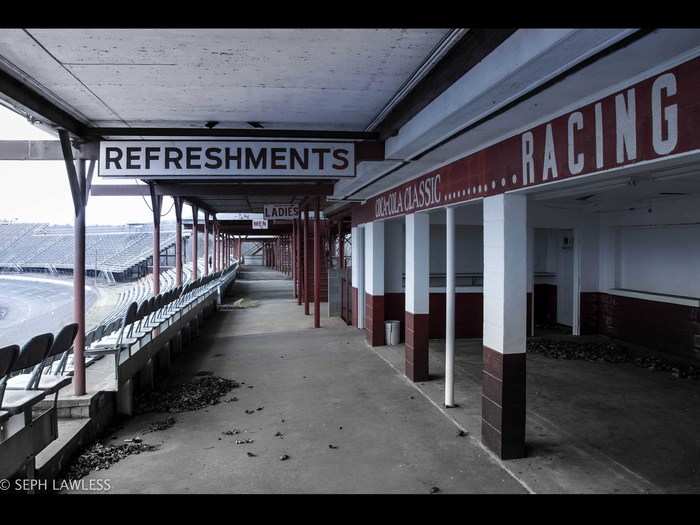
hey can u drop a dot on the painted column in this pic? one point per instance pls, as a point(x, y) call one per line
point(450, 285)
point(530, 281)
point(417, 295)
point(79, 285)
point(156, 252)
point(341, 246)
point(214, 254)
point(305, 243)
point(317, 264)
point(178, 240)
point(357, 254)
point(374, 282)
point(505, 303)
point(293, 256)
point(300, 269)
point(195, 213)
point(206, 243)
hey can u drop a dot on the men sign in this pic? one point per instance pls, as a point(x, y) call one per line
point(260, 224)
point(285, 212)
point(146, 159)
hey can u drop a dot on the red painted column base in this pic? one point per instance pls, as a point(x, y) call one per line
point(417, 339)
point(374, 319)
point(503, 403)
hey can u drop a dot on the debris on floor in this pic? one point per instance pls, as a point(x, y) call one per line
point(610, 352)
point(461, 433)
point(332, 446)
point(184, 397)
point(157, 426)
point(231, 432)
point(243, 302)
point(101, 457)
point(244, 441)
point(434, 490)
point(284, 457)
point(251, 455)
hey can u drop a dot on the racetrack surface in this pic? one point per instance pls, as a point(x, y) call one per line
point(31, 306)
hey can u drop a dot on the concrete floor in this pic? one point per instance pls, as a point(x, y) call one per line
point(591, 427)
point(319, 388)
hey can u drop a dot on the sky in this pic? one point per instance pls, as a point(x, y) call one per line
point(38, 191)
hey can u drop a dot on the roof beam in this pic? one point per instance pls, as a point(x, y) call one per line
point(234, 133)
point(465, 54)
point(42, 150)
point(28, 99)
point(242, 189)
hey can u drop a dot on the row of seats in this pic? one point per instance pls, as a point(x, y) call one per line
point(139, 321)
point(43, 365)
point(28, 375)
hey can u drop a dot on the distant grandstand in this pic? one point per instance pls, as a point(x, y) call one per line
point(115, 253)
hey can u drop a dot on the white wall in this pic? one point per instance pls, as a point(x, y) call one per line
point(659, 259)
point(394, 254)
point(469, 249)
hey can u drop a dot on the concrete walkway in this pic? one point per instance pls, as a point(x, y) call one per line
point(318, 387)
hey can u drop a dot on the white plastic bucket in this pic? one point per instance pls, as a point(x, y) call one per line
point(392, 329)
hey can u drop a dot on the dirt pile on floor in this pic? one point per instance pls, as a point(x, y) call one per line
point(610, 352)
point(184, 397)
point(101, 457)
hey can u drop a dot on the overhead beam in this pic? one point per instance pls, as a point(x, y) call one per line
point(42, 150)
point(464, 55)
point(233, 133)
point(37, 105)
point(242, 189)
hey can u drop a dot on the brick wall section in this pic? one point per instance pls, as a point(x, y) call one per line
point(661, 326)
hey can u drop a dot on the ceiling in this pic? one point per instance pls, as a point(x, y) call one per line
point(331, 79)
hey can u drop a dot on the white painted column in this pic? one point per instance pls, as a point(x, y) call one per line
point(505, 272)
point(450, 308)
point(531, 277)
point(505, 303)
point(417, 322)
point(374, 282)
point(358, 272)
point(374, 258)
point(576, 276)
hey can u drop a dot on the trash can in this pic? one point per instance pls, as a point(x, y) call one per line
point(392, 329)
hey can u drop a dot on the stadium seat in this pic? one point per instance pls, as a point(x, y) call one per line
point(43, 377)
point(30, 356)
point(8, 355)
point(115, 346)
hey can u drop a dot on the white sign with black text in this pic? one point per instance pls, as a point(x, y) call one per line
point(285, 212)
point(221, 159)
point(260, 224)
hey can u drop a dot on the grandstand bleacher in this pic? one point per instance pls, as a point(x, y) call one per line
point(114, 251)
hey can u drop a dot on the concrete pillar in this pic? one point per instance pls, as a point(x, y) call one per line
point(417, 295)
point(374, 282)
point(505, 303)
point(357, 254)
point(450, 288)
